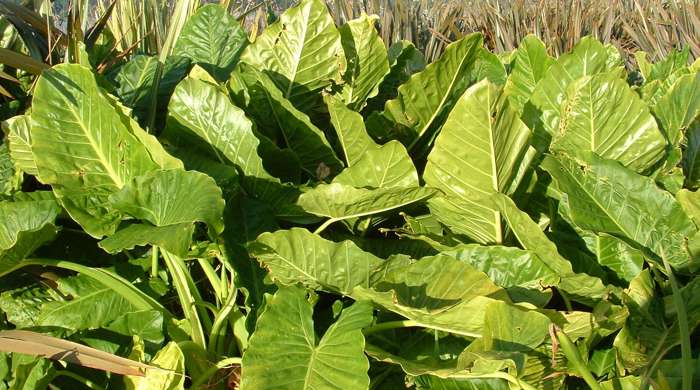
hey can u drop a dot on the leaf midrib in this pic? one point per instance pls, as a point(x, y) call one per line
point(102, 159)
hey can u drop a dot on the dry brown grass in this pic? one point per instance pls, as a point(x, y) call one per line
point(655, 26)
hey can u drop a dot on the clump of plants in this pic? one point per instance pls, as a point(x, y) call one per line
point(314, 210)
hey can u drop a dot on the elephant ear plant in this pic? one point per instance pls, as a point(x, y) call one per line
point(312, 210)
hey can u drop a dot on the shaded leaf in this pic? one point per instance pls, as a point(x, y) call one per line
point(174, 238)
point(213, 39)
point(404, 60)
point(522, 273)
point(135, 82)
point(437, 292)
point(277, 118)
point(426, 97)
point(582, 287)
point(509, 328)
point(172, 197)
point(26, 226)
point(339, 201)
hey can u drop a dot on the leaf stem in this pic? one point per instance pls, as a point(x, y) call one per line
point(155, 256)
point(217, 332)
point(324, 225)
point(573, 356)
point(212, 277)
point(390, 325)
point(686, 351)
point(186, 296)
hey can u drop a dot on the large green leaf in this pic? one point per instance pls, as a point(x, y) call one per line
point(350, 128)
point(25, 227)
point(425, 98)
point(437, 292)
point(607, 198)
point(18, 135)
point(369, 164)
point(679, 107)
point(529, 65)
point(367, 61)
point(201, 115)
point(172, 197)
point(176, 238)
point(81, 146)
point(213, 39)
point(388, 165)
point(602, 114)
point(589, 57)
point(339, 201)
point(87, 295)
point(277, 118)
point(477, 153)
point(336, 361)
point(297, 255)
point(301, 52)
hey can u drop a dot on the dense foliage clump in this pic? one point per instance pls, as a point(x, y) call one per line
point(314, 210)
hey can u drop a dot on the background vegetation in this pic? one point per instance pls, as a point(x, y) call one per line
point(654, 26)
